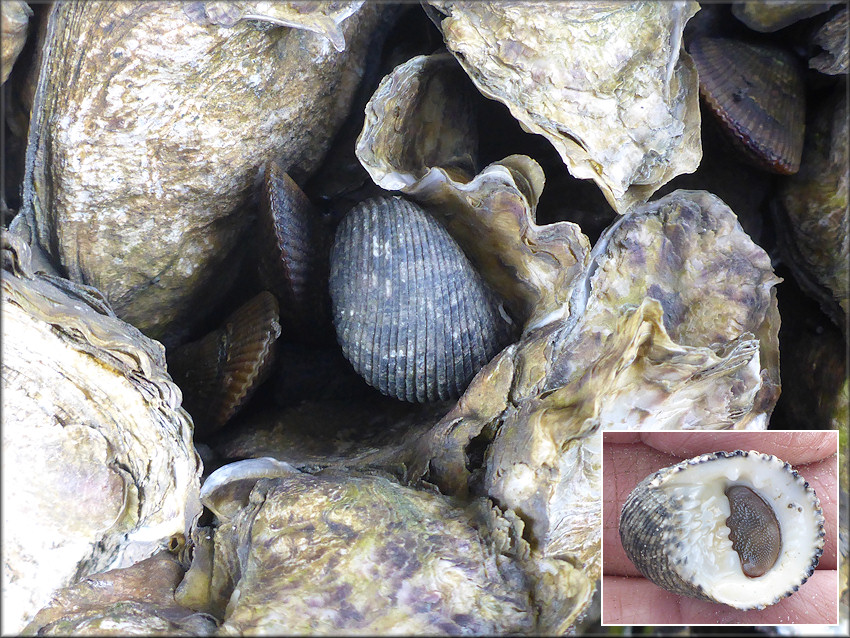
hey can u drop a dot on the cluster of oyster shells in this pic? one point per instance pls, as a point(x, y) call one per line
point(225, 201)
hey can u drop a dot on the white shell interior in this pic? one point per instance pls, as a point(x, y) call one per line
point(701, 551)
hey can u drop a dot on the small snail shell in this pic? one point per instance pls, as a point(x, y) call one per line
point(412, 315)
point(739, 528)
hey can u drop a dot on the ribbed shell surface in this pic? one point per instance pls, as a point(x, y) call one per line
point(657, 542)
point(219, 372)
point(411, 314)
point(758, 93)
point(293, 253)
point(646, 524)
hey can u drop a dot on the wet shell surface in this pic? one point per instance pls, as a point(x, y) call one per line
point(412, 315)
point(738, 528)
point(758, 94)
point(219, 372)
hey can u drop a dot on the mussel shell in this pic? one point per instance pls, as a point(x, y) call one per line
point(758, 94)
point(220, 372)
point(411, 314)
point(674, 527)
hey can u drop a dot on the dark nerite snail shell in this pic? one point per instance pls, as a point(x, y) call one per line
point(412, 315)
point(739, 528)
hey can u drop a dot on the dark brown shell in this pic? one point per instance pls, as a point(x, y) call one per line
point(412, 315)
point(220, 372)
point(293, 245)
point(758, 94)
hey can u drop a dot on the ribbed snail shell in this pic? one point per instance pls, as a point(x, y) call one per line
point(758, 94)
point(739, 528)
point(411, 314)
point(219, 372)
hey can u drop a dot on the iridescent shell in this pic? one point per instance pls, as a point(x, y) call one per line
point(738, 528)
point(219, 372)
point(758, 94)
point(411, 314)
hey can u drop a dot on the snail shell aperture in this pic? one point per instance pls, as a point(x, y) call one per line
point(739, 528)
point(412, 315)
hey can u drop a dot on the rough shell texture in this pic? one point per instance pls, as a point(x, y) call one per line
point(674, 528)
point(133, 601)
point(140, 168)
point(769, 15)
point(411, 314)
point(835, 42)
point(91, 421)
point(758, 93)
point(220, 372)
point(293, 243)
point(675, 309)
point(14, 20)
point(492, 216)
point(812, 211)
point(321, 18)
point(360, 555)
point(605, 82)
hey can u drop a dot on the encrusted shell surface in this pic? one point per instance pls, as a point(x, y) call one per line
point(675, 528)
point(98, 464)
point(358, 554)
point(607, 83)
point(758, 94)
point(132, 601)
point(14, 19)
point(412, 315)
point(813, 220)
point(833, 38)
point(769, 15)
point(141, 168)
point(219, 372)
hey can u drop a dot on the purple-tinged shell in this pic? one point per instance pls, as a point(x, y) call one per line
point(758, 94)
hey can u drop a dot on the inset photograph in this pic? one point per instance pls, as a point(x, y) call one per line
point(720, 528)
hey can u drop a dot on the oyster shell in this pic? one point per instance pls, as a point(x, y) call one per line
point(14, 20)
point(411, 314)
point(91, 420)
point(136, 600)
point(605, 82)
point(322, 18)
point(758, 93)
point(812, 211)
point(833, 39)
point(771, 15)
point(689, 530)
point(140, 170)
point(357, 554)
point(492, 215)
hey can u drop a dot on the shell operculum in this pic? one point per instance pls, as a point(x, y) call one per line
point(675, 528)
point(412, 315)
